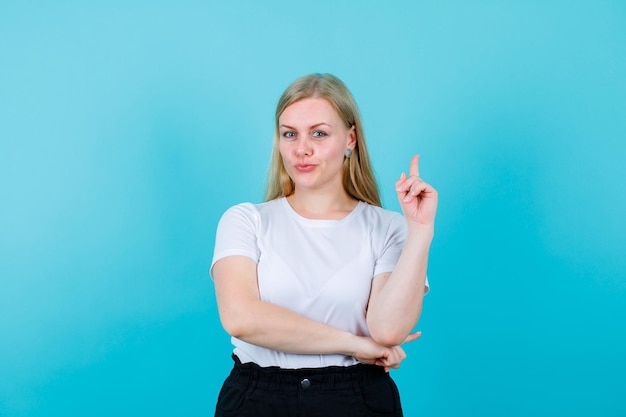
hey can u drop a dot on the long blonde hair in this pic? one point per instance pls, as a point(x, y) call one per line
point(357, 176)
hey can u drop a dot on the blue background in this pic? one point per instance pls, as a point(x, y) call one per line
point(127, 128)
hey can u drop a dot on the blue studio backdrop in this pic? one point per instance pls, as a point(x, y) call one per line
point(127, 128)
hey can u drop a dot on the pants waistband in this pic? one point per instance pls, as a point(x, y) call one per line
point(331, 377)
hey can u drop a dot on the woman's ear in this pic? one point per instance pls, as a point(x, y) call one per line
point(352, 137)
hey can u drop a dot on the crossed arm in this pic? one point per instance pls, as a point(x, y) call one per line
point(245, 316)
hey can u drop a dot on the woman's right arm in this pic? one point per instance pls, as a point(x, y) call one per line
point(245, 316)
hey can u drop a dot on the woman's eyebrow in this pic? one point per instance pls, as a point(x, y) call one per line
point(320, 124)
point(312, 127)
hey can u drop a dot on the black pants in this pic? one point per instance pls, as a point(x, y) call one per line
point(358, 390)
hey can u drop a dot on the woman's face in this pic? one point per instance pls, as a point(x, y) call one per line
point(312, 141)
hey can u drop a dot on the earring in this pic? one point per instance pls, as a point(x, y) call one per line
point(348, 153)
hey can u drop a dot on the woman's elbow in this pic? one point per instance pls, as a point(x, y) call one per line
point(232, 328)
point(391, 333)
point(387, 336)
point(234, 323)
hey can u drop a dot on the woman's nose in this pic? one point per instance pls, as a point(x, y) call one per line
point(303, 147)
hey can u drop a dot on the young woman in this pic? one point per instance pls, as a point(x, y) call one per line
point(319, 286)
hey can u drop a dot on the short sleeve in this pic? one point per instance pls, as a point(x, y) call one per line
point(394, 239)
point(237, 233)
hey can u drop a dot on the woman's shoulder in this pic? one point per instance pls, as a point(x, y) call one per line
point(248, 209)
point(381, 213)
point(381, 223)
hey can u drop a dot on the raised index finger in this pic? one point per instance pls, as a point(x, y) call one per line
point(414, 170)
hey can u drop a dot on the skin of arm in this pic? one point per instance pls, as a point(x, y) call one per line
point(245, 316)
point(396, 298)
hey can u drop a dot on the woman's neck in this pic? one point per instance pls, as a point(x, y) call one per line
point(322, 205)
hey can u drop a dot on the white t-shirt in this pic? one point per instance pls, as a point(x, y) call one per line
point(321, 269)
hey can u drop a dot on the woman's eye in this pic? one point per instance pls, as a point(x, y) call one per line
point(319, 134)
point(289, 135)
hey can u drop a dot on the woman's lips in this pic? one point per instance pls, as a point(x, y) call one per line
point(305, 167)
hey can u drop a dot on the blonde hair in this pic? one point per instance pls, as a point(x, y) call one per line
point(357, 176)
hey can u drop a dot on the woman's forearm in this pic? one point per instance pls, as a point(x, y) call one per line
point(279, 329)
point(264, 324)
point(268, 325)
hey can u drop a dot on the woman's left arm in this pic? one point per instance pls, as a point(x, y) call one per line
point(396, 298)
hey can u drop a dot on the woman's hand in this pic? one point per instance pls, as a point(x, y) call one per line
point(418, 199)
point(373, 353)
